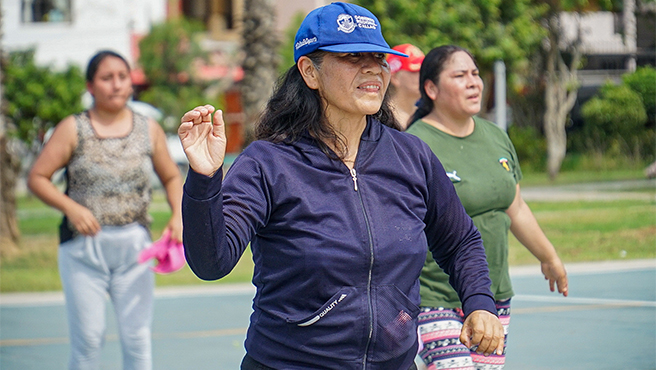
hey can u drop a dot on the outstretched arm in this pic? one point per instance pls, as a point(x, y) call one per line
point(527, 230)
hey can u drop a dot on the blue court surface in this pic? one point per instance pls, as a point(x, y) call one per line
point(607, 322)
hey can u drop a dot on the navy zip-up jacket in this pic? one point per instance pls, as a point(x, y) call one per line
point(337, 252)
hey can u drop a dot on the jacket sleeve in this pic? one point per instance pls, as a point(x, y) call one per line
point(220, 217)
point(455, 242)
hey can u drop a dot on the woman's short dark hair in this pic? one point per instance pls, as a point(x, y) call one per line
point(295, 110)
point(431, 68)
point(92, 68)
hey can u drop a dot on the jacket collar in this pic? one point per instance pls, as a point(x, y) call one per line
point(371, 133)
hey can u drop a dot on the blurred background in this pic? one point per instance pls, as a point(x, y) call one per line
point(574, 79)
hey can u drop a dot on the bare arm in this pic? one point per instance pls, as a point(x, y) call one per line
point(55, 155)
point(527, 230)
point(169, 175)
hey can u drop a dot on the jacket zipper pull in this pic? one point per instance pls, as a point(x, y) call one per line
point(354, 175)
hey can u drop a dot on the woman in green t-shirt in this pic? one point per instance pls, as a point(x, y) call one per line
point(480, 160)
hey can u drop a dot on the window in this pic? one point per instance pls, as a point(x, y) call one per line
point(209, 12)
point(52, 11)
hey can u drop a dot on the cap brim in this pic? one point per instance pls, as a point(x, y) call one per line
point(361, 48)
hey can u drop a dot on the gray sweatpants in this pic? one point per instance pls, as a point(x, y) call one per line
point(93, 268)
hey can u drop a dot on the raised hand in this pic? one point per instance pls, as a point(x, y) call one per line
point(203, 139)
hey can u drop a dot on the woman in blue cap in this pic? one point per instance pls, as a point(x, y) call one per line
point(338, 206)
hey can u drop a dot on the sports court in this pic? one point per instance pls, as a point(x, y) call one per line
point(607, 322)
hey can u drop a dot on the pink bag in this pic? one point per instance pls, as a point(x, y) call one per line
point(168, 252)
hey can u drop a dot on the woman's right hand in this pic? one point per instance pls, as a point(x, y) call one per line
point(484, 329)
point(83, 220)
point(203, 139)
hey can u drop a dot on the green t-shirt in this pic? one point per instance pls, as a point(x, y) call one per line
point(484, 170)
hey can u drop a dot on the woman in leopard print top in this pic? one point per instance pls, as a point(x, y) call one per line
point(109, 153)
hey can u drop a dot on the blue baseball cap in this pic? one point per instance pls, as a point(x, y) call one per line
point(341, 28)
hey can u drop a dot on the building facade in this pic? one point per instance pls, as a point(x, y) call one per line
point(70, 31)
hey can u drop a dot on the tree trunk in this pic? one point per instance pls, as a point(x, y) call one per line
point(9, 169)
point(260, 64)
point(561, 89)
point(630, 33)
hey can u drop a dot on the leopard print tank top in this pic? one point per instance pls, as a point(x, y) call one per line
point(111, 176)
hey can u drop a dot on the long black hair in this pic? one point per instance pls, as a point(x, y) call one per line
point(92, 68)
point(431, 68)
point(295, 110)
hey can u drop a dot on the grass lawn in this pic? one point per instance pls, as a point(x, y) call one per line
point(593, 231)
point(35, 267)
point(580, 231)
point(575, 177)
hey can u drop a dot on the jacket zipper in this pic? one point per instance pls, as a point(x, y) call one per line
point(354, 176)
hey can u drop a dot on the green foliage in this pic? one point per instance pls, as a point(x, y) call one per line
point(37, 98)
point(614, 134)
point(530, 146)
point(643, 81)
point(616, 114)
point(489, 29)
point(175, 101)
point(168, 55)
point(287, 45)
point(618, 155)
point(168, 51)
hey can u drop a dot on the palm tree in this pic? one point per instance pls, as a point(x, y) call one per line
point(260, 65)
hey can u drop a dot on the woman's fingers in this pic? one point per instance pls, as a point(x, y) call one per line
point(198, 115)
point(184, 127)
point(195, 118)
point(563, 285)
point(203, 139)
point(554, 271)
point(485, 330)
point(95, 226)
point(501, 334)
point(88, 227)
point(218, 128)
point(83, 220)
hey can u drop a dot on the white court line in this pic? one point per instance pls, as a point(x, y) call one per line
point(57, 298)
point(577, 300)
point(588, 268)
point(205, 290)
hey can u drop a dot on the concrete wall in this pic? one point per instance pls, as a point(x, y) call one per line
point(95, 25)
point(287, 9)
point(598, 32)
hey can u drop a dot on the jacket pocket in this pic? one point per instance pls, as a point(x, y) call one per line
point(335, 330)
point(396, 328)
